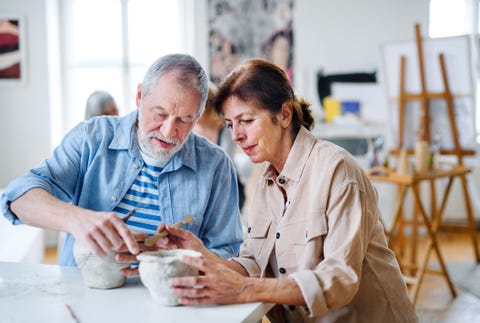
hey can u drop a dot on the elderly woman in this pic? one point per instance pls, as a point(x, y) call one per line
point(315, 240)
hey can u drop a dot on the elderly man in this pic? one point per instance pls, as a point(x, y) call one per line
point(148, 161)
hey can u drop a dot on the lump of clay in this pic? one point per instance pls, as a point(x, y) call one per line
point(98, 272)
point(156, 267)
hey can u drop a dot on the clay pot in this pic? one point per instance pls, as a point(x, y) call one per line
point(98, 272)
point(156, 267)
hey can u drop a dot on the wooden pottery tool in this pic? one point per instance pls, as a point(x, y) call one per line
point(129, 214)
point(150, 241)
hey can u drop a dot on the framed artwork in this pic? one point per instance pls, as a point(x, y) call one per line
point(241, 30)
point(12, 49)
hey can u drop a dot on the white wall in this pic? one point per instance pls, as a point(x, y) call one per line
point(345, 35)
point(336, 35)
point(24, 109)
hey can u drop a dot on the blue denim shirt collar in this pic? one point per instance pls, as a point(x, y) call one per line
point(185, 156)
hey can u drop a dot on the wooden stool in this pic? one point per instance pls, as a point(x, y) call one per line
point(405, 182)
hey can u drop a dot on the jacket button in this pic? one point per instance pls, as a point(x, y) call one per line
point(249, 229)
point(281, 180)
point(282, 270)
point(278, 235)
point(291, 307)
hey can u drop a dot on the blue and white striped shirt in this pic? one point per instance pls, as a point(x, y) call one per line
point(143, 197)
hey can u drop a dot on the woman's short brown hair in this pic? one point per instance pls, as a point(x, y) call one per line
point(267, 86)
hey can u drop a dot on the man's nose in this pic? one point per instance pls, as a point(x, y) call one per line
point(169, 128)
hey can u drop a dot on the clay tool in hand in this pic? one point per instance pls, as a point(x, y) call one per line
point(150, 241)
point(129, 214)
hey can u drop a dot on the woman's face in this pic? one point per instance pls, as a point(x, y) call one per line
point(256, 131)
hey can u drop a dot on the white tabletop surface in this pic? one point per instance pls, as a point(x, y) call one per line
point(38, 293)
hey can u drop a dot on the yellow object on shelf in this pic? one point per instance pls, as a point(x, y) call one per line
point(332, 109)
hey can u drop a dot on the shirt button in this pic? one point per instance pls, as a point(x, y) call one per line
point(282, 270)
point(281, 180)
point(114, 199)
point(249, 229)
point(278, 235)
point(135, 166)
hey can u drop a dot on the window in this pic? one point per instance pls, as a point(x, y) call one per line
point(459, 17)
point(448, 18)
point(109, 44)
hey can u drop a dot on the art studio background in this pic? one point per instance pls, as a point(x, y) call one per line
point(330, 49)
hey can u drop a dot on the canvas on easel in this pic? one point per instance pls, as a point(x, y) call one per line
point(456, 53)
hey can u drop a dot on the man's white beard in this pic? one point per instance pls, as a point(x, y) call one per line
point(158, 153)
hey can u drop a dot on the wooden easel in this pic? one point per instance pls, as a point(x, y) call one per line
point(424, 97)
point(405, 182)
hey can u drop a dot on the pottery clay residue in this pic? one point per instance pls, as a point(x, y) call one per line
point(156, 267)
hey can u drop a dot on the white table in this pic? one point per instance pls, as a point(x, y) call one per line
point(38, 293)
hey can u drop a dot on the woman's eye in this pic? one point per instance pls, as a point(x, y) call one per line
point(245, 122)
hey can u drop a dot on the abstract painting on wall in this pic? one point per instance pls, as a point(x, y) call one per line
point(240, 30)
point(12, 60)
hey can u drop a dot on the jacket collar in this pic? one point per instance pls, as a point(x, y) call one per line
point(128, 125)
point(297, 158)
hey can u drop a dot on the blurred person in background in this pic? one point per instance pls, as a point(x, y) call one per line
point(212, 127)
point(100, 103)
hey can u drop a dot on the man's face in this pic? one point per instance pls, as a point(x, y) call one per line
point(166, 116)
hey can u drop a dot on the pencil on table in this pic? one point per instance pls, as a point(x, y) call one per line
point(72, 315)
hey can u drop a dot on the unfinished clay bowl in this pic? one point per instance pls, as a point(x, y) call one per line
point(99, 272)
point(156, 267)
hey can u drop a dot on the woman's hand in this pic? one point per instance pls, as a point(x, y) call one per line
point(176, 239)
point(218, 285)
point(124, 256)
point(180, 239)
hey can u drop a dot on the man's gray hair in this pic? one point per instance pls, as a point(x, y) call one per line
point(96, 104)
point(190, 74)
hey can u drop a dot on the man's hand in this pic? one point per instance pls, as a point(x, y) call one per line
point(124, 256)
point(102, 232)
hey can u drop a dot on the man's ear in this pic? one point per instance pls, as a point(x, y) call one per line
point(139, 95)
point(286, 114)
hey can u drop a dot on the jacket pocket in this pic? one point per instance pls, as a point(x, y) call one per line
point(312, 227)
point(309, 235)
point(258, 229)
point(257, 233)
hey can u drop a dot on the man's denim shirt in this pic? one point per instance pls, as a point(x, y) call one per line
point(98, 160)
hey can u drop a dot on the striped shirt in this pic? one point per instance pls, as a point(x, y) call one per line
point(143, 197)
